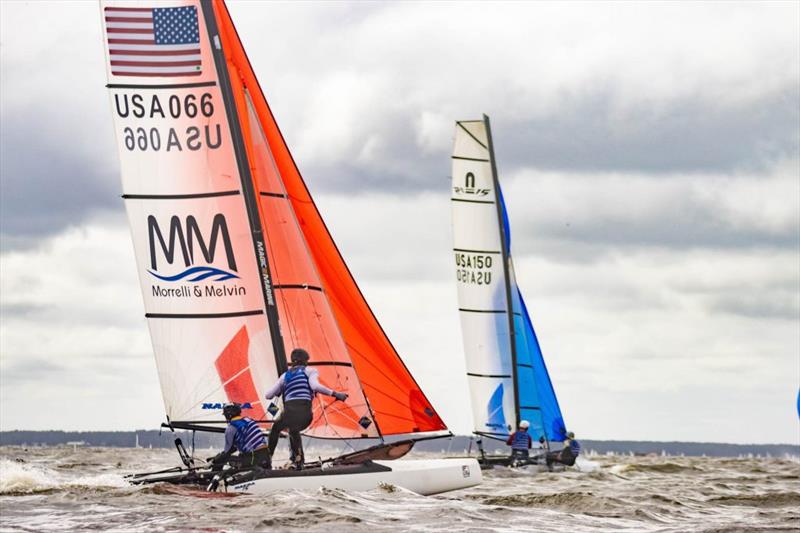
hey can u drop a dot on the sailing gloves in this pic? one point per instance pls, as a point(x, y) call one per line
point(341, 396)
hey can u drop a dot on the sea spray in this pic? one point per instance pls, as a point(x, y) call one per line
point(18, 477)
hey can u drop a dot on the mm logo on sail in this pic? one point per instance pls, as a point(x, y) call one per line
point(186, 244)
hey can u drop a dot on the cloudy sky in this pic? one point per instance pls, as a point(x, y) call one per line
point(650, 158)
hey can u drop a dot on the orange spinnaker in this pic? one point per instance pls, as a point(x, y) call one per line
point(396, 400)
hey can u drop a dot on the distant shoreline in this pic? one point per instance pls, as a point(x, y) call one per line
point(456, 444)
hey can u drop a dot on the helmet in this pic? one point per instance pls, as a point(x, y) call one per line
point(570, 435)
point(300, 356)
point(231, 409)
point(524, 424)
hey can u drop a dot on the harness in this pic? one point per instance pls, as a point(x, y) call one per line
point(248, 435)
point(296, 385)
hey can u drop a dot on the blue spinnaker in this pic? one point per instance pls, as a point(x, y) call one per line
point(537, 398)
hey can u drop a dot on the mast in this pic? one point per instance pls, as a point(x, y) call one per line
point(248, 190)
point(506, 257)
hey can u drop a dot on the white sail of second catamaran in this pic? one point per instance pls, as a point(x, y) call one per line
point(507, 376)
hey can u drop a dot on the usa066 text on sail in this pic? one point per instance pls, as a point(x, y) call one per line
point(202, 131)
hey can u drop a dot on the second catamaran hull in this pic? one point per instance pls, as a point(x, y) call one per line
point(424, 477)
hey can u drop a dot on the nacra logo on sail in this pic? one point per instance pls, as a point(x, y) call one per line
point(246, 405)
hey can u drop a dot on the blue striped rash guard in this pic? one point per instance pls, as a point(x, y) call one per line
point(312, 374)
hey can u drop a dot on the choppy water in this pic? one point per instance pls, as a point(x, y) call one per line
point(60, 489)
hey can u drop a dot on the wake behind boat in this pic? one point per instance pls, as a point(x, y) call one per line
point(508, 379)
point(237, 267)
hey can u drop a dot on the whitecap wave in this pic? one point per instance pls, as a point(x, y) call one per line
point(27, 478)
point(22, 477)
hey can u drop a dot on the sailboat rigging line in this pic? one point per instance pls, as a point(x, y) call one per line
point(471, 201)
point(489, 375)
point(161, 86)
point(248, 188)
point(504, 245)
point(179, 196)
point(469, 158)
point(475, 138)
point(205, 315)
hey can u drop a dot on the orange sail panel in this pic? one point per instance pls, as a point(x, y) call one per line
point(320, 306)
point(233, 366)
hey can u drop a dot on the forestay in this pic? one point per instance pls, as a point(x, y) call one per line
point(507, 376)
point(236, 265)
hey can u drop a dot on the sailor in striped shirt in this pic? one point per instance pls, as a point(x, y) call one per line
point(244, 435)
point(298, 385)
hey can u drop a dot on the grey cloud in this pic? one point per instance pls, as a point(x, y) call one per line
point(20, 310)
point(770, 305)
point(688, 136)
point(584, 135)
point(46, 185)
point(32, 369)
point(690, 227)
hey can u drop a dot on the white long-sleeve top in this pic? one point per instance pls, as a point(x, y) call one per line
point(313, 380)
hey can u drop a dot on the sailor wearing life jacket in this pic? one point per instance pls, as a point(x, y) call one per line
point(566, 455)
point(298, 385)
point(520, 441)
point(242, 435)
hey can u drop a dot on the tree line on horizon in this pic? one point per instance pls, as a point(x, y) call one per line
point(456, 444)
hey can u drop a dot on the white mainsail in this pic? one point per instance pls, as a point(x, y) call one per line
point(482, 297)
point(202, 288)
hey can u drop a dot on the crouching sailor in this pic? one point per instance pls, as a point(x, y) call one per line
point(520, 442)
point(567, 454)
point(298, 385)
point(244, 435)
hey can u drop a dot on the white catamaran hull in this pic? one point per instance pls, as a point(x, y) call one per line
point(424, 477)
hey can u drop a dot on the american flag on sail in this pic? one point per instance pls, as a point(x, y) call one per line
point(153, 41)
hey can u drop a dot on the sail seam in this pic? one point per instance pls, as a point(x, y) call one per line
point(273, 194)
point(482, 310)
